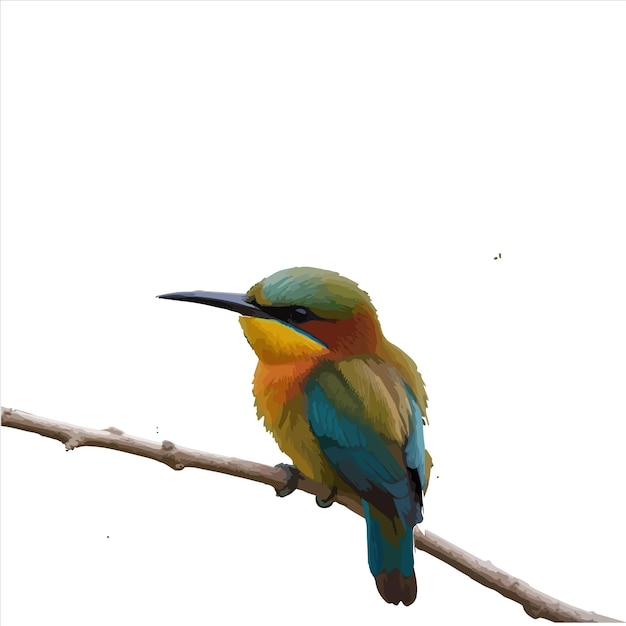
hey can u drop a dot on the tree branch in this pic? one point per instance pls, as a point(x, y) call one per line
point(534, 602)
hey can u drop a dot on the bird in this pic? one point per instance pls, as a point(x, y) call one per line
point(345, 404)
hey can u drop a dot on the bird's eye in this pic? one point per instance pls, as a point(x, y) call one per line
point(299, 314)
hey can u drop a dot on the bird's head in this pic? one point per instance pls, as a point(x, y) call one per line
point(300, 313)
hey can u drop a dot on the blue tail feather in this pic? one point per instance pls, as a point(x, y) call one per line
point(391, 559)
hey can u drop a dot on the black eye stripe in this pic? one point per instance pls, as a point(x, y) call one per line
point(291, 314)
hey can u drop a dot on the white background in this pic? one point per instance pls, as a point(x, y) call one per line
point(158, 147)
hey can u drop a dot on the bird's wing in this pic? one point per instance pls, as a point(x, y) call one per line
point(369, 426)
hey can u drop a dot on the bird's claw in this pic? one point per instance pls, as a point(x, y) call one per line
point(293, 476)
point(324, 503)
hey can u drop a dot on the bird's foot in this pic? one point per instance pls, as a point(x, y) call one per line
point(293, 477)
point(324, 503)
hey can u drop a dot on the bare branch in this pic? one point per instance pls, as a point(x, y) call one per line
point(534, 602)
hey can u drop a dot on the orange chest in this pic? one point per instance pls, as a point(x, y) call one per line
point(278, 387)
point(279, 392)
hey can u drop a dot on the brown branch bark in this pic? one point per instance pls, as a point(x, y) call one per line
point(534, 602)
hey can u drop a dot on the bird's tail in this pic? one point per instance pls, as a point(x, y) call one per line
point(390, 556)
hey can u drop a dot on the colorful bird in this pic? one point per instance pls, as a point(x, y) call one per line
point(346, 405)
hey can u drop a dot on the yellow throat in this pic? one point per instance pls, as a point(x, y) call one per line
point(275, 342)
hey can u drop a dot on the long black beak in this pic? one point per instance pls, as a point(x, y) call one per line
point(237, 302)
